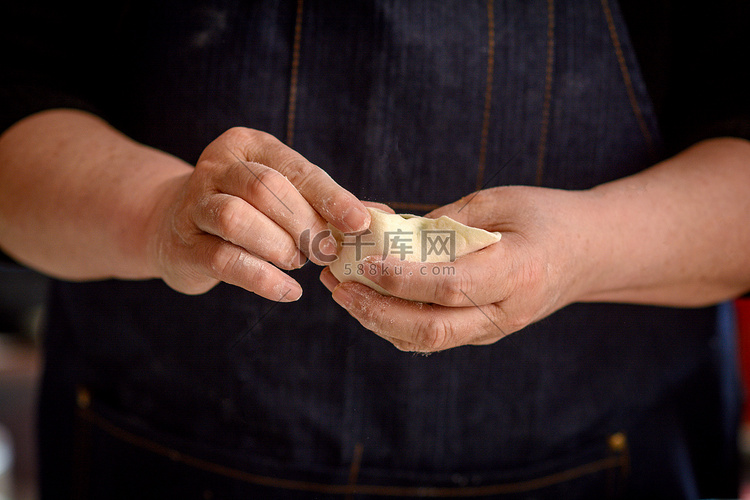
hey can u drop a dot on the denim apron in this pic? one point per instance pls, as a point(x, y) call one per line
point(152, 394)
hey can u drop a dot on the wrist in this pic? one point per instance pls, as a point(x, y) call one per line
point(585, 251)
point(148, 241)
point(595, 237)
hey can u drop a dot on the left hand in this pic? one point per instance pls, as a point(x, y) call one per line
point(481, 297)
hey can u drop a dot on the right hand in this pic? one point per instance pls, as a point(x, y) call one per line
point(238, 217)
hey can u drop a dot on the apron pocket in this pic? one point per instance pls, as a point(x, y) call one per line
point(118, 457)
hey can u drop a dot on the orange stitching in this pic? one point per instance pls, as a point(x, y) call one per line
point(294, 78)
point(547, 91)
point(356, 463)
point(626, 75)
point(105, 425)
point(487, 92)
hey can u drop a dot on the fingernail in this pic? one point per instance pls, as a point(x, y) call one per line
point(356, 219)
point(328, 279)
point(299, 260)
point(292, 291)
point(328, 246)
point(343, 297)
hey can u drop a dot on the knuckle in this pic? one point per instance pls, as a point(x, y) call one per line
point(266, 183)
point(259, 276)
point(229, 222)
point(223, 259)
point(246, 134)
point(297, 170)
point(235, 136)
point(432, 334)
point(235, 133)
point(229, 263)
point(250, 141)
point(263, 138)
point(451, 289)
point(261, 142)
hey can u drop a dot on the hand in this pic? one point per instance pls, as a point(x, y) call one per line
point(239, 215)
point(483, 296)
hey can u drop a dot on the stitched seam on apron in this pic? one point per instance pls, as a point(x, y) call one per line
point(487, 92)
point(547, 92)
point(294, 76)
point(354, 469)
point(626, 75)
point(612, 462)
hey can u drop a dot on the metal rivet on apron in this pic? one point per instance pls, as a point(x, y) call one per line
point(83, 398)
point(617, 442)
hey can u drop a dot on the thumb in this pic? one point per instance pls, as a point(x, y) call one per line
point(477, 209)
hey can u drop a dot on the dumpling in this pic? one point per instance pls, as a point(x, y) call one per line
point(408, 237)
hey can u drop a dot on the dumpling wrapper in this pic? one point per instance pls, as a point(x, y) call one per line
point(409, 237)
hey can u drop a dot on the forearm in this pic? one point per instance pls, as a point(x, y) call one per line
point(77, 197)
point(676, 234)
